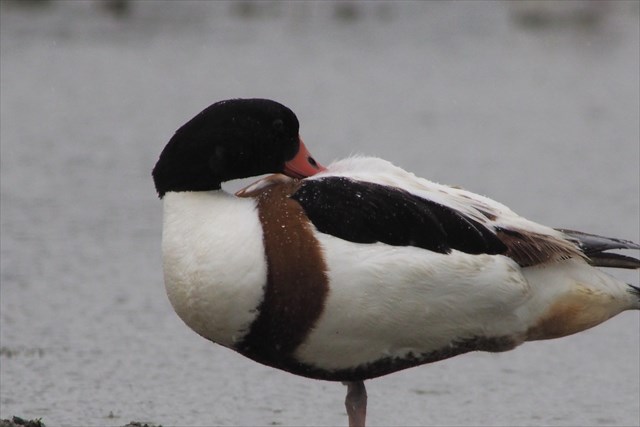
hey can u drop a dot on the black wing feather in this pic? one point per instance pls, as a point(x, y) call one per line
point(592, 243)
point(595, 247)
point(364, 212)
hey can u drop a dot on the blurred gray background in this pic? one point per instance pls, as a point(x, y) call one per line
point(533, 104)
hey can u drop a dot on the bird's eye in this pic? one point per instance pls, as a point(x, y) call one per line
point(277, 124)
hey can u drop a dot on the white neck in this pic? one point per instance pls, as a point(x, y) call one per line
point(214, 262)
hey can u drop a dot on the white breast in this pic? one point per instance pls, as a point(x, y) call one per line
point(214, 262)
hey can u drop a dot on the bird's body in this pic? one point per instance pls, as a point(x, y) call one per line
point(364, 269)
point(361, 310)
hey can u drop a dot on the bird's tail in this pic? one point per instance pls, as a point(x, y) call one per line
point(595, 249)
point(635, 291)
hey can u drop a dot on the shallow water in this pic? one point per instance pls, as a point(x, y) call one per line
point(542, 117)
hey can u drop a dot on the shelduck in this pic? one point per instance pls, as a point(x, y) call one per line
point(359, 269)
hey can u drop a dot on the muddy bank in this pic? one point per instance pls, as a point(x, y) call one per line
point(37, 422)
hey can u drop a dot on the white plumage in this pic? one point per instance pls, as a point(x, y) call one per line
point(214, 265)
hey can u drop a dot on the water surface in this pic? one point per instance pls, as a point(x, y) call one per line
point(543, 118)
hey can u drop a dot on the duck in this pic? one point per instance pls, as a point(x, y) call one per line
point(360, 269)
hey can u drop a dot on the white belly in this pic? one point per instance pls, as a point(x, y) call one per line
point(389, 301)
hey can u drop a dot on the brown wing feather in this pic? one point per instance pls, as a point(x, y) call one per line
point(529, 248)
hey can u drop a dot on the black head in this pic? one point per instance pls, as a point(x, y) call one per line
point(231, 139)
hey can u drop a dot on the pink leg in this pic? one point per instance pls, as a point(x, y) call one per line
point(356, 403)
